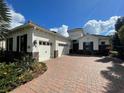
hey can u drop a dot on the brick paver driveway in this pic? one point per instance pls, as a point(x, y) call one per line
point(78, 74)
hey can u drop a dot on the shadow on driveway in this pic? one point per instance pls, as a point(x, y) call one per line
point(114, 74)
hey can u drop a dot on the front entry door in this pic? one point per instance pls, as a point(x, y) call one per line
point(21, 43)
point(75, 47)
point(88, 46)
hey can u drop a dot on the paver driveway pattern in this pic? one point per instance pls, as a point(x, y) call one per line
point(78, 74)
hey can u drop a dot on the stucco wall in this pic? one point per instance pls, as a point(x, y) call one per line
point(96, 41)
point(3, 44)
point(62, 50)
point(20, 33)
point(106, 40)
point(88, 39)
point(46, 52)
point(75, 34)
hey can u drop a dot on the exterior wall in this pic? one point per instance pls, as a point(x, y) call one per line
point(20, 33)
point(89, 39)
point(96, 41)
point(62, 50)
point(3, 44)
point(106, 40)
point(75, 34)
point(47, 52)
point(57, 44)
point(42, 52)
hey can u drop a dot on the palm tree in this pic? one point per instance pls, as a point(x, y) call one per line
point(5, 19)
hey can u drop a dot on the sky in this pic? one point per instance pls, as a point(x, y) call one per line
point(95, 16)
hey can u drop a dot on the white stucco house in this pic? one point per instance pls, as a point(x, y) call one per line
point(37, 41)
point(43, 44)
point(81, 42)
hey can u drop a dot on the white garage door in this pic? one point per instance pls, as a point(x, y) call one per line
point(62, 49)
point(44, 52)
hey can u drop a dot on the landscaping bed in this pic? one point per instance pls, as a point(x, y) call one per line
point(117, 54)
point(16, 73)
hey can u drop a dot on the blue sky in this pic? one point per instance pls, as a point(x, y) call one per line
point(73, 13)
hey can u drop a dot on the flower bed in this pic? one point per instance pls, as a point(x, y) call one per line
point(17, 73)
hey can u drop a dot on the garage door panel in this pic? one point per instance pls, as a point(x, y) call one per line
point(62, 50)
point(44, 53)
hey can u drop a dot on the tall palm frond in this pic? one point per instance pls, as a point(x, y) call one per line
point(5, 19)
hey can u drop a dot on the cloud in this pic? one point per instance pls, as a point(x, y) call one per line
point(61, 30)
point(17, 18)
point(101, 27)
point(111, 32)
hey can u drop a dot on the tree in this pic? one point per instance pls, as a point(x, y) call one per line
point(121, 34)
point(5, 19)
point(119, 23)
point(115, 41)
point(118, 38)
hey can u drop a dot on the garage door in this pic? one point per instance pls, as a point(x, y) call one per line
point(44, 52)
point(62, 49)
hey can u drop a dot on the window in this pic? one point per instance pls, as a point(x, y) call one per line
point(60, 44)
point(10, 44)
point(18, 43)
point(74, 41)
point(87, 43)
point(48, 43)
point(40, 43)
point(23, 43)
point(103, 43)
point(7, 44)
point(88, 46)
point(44, 43)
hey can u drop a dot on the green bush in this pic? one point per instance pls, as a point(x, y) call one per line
point(8, 76)
point(114, 53)
point(19, 72)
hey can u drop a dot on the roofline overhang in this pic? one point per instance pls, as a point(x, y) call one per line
point(36, 27)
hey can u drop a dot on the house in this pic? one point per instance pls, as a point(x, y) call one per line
point(88, 43)
point(37, 41)
point(43, 44)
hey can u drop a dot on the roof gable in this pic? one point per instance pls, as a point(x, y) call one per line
point(31, 25)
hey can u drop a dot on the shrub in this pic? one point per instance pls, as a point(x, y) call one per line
point(19, 72)
point(114, 53)
point(38, 68)
point(8, 76)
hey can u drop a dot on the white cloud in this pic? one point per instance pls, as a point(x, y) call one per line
point(17, 18)
point(111, 32)
point(101, 27)
point(61, 30)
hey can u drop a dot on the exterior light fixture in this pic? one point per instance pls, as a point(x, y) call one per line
point(35, 43)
